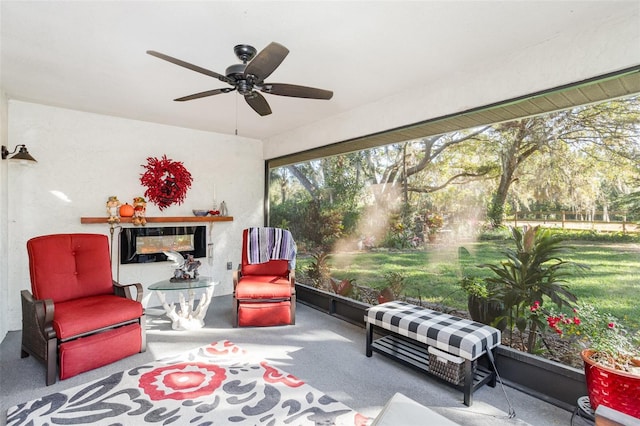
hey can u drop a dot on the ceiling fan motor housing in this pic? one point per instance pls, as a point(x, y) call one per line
point(235, 71)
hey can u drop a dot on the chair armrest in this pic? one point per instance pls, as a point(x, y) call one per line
point(237, 274)
point(37, 316)
point(124, 290)
point(292, 278)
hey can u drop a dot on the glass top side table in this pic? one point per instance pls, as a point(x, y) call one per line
point(188, 316)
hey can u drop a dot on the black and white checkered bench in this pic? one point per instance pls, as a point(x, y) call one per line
point(434, 342)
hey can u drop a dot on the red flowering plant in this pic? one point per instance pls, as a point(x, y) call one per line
point(612, 345)
point(434, 222)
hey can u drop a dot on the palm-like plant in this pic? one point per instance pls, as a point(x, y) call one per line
point(533, 272)
point(319, 270)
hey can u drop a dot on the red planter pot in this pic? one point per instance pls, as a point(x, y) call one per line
point(613, 388)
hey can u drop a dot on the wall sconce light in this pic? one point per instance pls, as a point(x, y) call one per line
point(23, 154)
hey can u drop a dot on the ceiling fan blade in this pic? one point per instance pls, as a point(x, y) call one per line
point(258, 103)
point(266, 61)
point(205, 94)
point(190, 66)
point(295, 91)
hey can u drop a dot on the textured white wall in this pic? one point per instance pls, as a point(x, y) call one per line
point(84, 158)
point(567, 58)
point(4, 290)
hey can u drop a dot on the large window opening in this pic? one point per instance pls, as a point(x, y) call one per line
point(413, 219)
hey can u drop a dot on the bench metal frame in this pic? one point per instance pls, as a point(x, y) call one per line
point(415, 354)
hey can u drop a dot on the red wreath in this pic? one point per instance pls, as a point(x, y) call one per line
point(167, 181)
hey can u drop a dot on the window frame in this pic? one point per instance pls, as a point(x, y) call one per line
point(601, 88)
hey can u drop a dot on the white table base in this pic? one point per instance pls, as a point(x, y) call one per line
point(187, 318)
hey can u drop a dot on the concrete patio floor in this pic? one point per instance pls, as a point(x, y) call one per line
point(323, 351)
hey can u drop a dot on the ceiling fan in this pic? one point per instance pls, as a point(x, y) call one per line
point(248, 77)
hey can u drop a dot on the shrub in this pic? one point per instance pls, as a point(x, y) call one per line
point(531, 272)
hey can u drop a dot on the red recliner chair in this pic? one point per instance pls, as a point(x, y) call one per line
point(264, 294)
point(78, 317)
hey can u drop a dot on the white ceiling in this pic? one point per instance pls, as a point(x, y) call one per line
point(90, 56)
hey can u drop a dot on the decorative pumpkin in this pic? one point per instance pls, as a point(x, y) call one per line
point(126, 210)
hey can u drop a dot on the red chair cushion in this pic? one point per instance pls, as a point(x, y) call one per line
point(264, 314)
point(263, 287)
point(87, 353)
point(79, 316)
point(273, 267)
point(69, 266)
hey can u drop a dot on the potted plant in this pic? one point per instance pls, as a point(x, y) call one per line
point(480, 302)
point(611, 359)
point(531, 273)
point(433, 222)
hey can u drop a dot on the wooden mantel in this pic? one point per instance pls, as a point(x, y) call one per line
point(167, 219)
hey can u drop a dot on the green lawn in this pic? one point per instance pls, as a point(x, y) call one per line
point(612, 283)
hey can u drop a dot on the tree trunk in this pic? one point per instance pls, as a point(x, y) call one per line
point(520, 142)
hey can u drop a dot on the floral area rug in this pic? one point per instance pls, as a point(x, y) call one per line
point(218, 384)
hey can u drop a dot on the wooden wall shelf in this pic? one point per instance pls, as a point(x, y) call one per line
point(169, 219)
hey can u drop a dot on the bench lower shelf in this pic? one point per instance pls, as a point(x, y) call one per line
point(415, 354)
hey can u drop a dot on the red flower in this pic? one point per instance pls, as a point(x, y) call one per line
point(182, 381)
point(602, 333)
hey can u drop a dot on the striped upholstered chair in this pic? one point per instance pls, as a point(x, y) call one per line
point(264, 292)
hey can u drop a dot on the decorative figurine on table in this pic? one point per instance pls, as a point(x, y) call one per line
point(191, 267)
point(113, 207)
point(139, 211)
point(185, 269)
